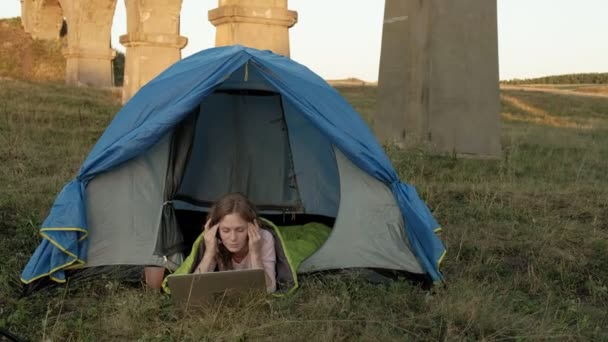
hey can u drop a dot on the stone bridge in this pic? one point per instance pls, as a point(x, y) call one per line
point(438, 81)
point(152, 39)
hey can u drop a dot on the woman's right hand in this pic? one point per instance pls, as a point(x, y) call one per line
point(210, 238)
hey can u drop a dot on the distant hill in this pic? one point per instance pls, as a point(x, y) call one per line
point(588, 78)
point(351, 81)
point(24, 58)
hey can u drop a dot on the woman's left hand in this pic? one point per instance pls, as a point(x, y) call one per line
point(255, 238)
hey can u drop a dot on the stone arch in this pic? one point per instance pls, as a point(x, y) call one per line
point(46, 20)
point(88, 53)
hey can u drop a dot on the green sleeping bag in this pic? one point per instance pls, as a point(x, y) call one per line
point(293, 244)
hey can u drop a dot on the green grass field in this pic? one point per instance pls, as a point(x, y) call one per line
point(527, 237)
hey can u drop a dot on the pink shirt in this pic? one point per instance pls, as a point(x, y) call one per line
point(269, 259)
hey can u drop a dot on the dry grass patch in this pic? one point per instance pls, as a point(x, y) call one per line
point(537, 115)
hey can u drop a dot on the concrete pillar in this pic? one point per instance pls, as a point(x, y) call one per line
point(47, 19)
point(261, 24)
point(153, 42)
point(438, 82)
point(88, 54)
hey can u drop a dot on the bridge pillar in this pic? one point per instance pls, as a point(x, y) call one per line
point(438, 81)
point(28, 9)
point(261, 24)
point(153, 42)
point(88, 54)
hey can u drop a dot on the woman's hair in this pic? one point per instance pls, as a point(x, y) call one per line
point(232, 203)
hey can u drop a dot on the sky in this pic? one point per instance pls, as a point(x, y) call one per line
point(535, 37)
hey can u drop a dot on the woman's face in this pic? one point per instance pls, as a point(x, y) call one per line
point(233, 232)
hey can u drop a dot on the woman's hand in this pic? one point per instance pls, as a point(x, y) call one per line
point(209, 261)
point(210, 238)
point(255, 238)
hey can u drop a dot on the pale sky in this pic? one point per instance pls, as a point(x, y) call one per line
point(535, 37)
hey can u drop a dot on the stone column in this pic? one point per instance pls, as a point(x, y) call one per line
point(47, 19)
point(438, 82)
point(88, 54)
point(261, 24)
point(28, 8)
point(153, 42)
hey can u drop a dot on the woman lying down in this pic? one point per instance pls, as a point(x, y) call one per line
point(234, 241)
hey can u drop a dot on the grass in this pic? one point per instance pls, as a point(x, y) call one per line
point(527, 237)
point(363, 99)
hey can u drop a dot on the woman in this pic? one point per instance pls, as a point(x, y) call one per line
point(234, 241)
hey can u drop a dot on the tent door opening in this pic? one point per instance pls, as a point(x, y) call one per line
point(237, 141)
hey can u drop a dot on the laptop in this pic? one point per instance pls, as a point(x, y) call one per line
point(204, 288)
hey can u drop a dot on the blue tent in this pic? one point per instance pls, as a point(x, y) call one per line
point(119, 208)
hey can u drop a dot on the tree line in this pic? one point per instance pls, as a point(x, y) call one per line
point(585, 78)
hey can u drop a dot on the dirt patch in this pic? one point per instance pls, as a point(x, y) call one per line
point(600, 89)
point(537, 115)
point(581, 91)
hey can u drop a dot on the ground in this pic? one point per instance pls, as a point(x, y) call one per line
point(527, 236)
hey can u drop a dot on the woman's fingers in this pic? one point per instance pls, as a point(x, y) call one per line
point(207, 224)
point(213, 230)
point(255, 239)
point(253, 230)
point(210, 240)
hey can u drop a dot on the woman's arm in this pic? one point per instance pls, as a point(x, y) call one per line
point(257, 262)
point(207, 264)
point(263, 256)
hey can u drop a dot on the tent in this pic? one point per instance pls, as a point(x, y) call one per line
point(236, 119)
